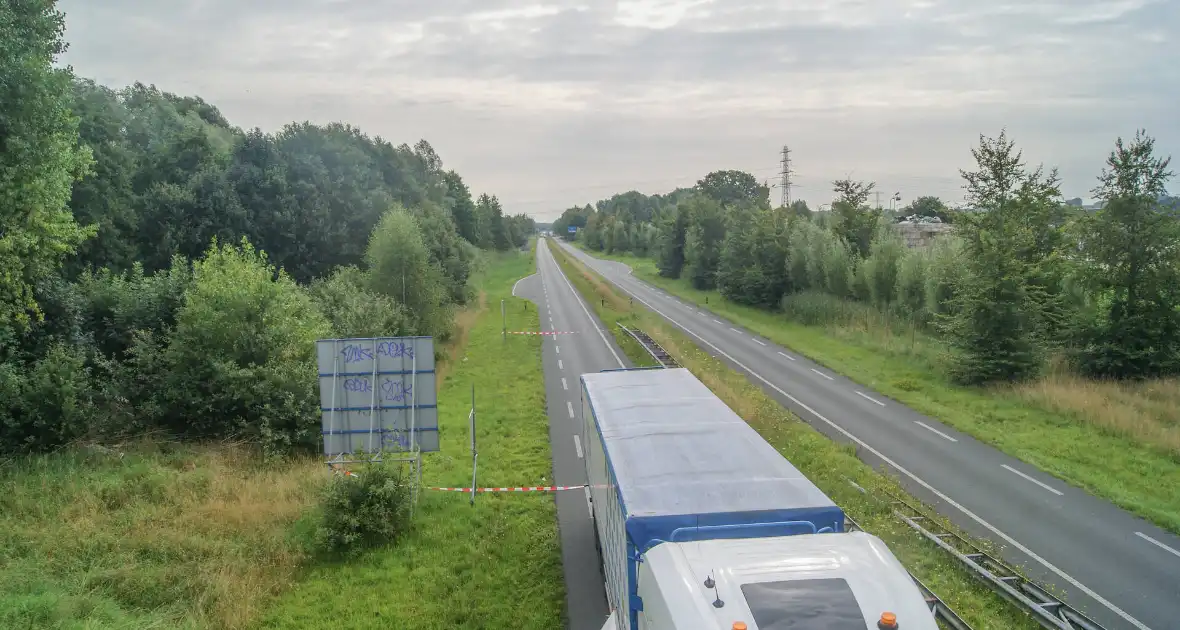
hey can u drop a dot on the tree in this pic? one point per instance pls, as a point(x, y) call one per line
point(1131, 244)
point(702, 241)
point(462, 207)
point(39, 159)
point(927, 206)
point(400, 267)
point(799, 208)
point(734, 188)
point(853, 220)
point(997, 304)
point(672, 232)
point(753, 267)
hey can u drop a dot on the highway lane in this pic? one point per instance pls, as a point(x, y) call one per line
point(565, 358)
point(1117, 568)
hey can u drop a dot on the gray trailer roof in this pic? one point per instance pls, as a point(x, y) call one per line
point(677, 449)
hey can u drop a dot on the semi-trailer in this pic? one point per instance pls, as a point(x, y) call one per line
point(701, 523)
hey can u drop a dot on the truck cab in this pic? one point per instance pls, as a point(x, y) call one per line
point(848, 581)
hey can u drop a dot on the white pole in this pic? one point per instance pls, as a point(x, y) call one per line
point(335, 386)
point(373, 399)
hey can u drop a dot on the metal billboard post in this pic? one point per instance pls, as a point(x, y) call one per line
point(474, 452)
point(503, 320)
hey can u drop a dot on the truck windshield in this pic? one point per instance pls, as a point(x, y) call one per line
point(826, 604)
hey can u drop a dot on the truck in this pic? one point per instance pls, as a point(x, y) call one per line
point(702, 524)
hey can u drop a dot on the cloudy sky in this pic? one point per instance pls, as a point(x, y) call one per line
point(549, 104)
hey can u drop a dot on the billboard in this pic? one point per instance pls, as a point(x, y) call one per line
point(572, 229)
point(377, 394)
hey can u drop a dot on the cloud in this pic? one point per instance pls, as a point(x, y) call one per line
point(552, 103)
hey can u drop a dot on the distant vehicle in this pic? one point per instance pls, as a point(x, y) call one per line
point(702, 524)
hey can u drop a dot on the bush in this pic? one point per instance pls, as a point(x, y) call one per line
point(366, 510)
point(48, 407)
point(354, 309)
point(242, 358)
point(119, 305)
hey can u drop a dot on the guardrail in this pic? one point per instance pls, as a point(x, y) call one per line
point(1047, 609)
point(654, 349)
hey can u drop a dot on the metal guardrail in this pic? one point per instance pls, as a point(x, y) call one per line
point(654, 349)
point(1047, 609)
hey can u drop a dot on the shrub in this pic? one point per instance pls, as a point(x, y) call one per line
point(880, 269)
point(119, 305)
point(242, 358)
point(911, 282)
point(354, 309)
point(50, 405)
point(366, 510)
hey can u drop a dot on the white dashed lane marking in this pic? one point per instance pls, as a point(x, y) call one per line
point(564, 385)
point(870, 398)
point(822, 374)
point(1158, 544)
point(1043, 485)
point(933, 430)
point(569, 406)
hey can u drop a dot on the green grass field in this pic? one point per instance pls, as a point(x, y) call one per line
point(828, 464)
point(494, 565)
point(155, 534)
point(1120, 442)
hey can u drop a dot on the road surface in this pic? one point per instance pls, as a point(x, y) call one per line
point(1117, 568)
point(565, 358)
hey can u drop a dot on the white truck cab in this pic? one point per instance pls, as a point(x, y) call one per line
point(847, 581)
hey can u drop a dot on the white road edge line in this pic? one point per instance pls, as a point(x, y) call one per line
point(1158, 543)
point(569, 406)
point(585, 310)
point(933, 430)
point(564, 385)
point(559, 365)
point(822, 374)
point(1043, 485)
point(787, 356)
point(870, 398)
point(946, 499)
point(578, 446)
point(760, 342)
point(519, 281)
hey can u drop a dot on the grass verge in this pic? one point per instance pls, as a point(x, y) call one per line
point(494, 565)
point(1120, 442)
point(828, 464)
point(154, 534)
point(148, 535)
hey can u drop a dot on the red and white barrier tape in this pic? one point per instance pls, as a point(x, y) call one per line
point(519, 489)
point(567, 332)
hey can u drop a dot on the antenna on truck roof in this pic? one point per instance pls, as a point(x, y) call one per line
point(711, 583)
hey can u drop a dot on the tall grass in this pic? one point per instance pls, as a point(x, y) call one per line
point(148, 535)
point(1147, 412)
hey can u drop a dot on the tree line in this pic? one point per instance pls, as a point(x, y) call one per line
point(1024, 277)
point(163, 269)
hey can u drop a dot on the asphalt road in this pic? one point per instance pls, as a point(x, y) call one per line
point(1117, 568)
point(580, 347)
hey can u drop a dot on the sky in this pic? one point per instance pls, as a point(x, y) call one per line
point(552, 104)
